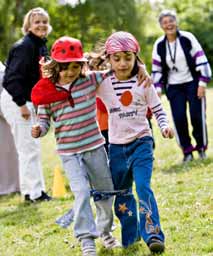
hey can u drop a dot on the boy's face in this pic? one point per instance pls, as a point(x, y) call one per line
point(71, 72)
point(122, 63)
point(39, 25)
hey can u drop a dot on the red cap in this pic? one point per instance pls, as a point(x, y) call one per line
point(67, 49)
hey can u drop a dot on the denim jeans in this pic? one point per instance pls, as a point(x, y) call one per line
point(128, 163)
point(86, 171)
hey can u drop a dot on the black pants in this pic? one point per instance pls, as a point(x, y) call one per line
point(179, 95)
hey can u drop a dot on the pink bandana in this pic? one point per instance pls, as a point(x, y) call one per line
point(121, 42)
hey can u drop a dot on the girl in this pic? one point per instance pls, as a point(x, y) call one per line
point(131, 143)
point(79, 141)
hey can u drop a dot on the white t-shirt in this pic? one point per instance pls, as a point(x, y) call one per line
point(183, 75)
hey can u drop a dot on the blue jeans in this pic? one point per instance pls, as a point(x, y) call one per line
point(128, 163)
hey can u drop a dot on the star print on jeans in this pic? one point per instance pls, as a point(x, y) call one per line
point(122, 208)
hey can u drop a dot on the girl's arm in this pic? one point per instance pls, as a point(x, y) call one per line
point(157, 109)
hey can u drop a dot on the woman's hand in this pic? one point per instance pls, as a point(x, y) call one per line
point(201, 92)
point(144, 78)
point(25, 112)
point(35, 131)
point(168, 133)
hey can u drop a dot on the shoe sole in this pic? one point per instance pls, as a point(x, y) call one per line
point(157, 247)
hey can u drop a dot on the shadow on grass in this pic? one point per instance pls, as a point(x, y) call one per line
point(186, 167)
point(133, 250)
point(25, 214)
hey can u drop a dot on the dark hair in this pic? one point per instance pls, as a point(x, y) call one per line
point(65, 65)
point(136, 66)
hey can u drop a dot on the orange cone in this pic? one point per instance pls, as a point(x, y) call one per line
point(59, 189)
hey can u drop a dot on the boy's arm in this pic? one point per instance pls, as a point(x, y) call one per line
point(144, 78)
point(44, 115)
point(99, 76)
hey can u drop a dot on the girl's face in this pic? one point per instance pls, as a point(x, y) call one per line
point(122, 63)
point(169, 25)
point(70, 72)
point(39, 25)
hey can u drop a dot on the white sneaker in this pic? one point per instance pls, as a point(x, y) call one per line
point(88, 247)
point(109, 241)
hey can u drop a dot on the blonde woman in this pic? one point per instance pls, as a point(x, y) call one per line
point(22, 72)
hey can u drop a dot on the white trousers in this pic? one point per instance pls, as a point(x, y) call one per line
point(28, 148)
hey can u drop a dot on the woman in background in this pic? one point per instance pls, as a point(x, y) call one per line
point(22, 72)
point(181, 67)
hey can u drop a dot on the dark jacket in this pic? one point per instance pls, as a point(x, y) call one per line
point(194, 54)
point(186, 46)
point(22, 67)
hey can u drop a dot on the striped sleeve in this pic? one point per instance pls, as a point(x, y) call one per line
point(201, 62)
point(156, 68)
point(44, 115)
point(157, 109)
point(97, 77)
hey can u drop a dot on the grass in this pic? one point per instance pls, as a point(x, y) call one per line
point(184, 194)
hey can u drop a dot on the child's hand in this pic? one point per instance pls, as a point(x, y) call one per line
point(35, 131)
point(144, 78)
point(168, 133)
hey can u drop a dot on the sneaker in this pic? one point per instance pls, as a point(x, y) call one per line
point(109, 241)
point(188, 158)
point(44, 197)
point(156, 245)
point(88, 247)
point(202, 154)
point(27, 199)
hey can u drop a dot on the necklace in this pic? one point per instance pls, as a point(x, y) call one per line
point(173, 58)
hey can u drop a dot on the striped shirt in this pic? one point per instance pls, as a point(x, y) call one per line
point(76, 129)
point(127, 105)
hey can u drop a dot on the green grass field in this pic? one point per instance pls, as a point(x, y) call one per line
point(184, 194)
